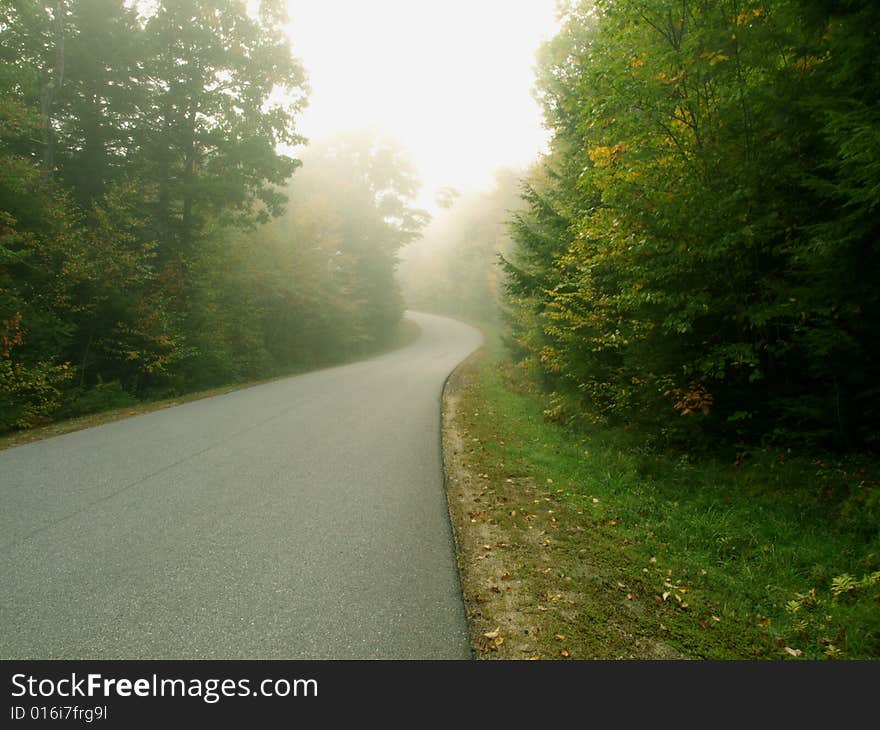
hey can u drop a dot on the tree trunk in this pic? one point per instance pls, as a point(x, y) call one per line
point(49, 92)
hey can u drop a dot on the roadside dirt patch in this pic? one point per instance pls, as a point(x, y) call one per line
point(532, 589)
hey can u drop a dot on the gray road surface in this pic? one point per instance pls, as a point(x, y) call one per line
point(304, 518)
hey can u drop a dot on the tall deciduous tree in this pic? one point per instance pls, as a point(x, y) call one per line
point(699, 245)
point(222, 91)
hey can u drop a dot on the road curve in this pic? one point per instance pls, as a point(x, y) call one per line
point(299, 519)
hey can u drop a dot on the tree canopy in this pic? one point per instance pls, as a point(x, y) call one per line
point(700, 251)
point(143, 151)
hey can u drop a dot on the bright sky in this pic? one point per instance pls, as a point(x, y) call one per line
point(451, 79)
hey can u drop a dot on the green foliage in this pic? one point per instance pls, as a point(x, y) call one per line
point(102, 397)
point(140, 166)
point(744, 538)
point(30, 391)
point(699, 253)
point(352, 212)
point(454, 268)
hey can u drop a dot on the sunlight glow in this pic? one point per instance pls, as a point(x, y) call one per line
point(452, 80)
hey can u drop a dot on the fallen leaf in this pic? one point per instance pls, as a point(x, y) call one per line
point(793, 652)
point(665, 595)
point(565, 653)
point(493, 634)
point(560, 637)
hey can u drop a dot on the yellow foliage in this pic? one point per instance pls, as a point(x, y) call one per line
point(665, 78)
point(713, 57)
point(808, 63)
point(748, 16)
point(606, 156)
point(11, 334)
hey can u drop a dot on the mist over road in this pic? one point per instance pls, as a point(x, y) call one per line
point(303, 518)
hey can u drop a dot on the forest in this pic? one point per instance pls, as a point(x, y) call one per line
point(699, 255)
point(678, 300)
point(695, 256)
point(154, 238)
point(683, 311)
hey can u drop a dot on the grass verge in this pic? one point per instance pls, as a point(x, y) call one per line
point(584, 545)
point(407, 332)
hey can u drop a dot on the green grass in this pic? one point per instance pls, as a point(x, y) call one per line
point(747, 554)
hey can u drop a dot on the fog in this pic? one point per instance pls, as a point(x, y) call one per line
point(452, 81)
point(206, 193)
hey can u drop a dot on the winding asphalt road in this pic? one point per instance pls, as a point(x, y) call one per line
point(303, 518)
